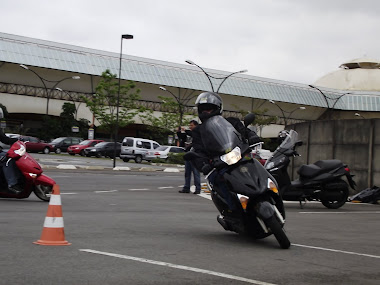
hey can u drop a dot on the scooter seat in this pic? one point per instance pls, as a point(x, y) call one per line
point(329, 164)
point(312, 170)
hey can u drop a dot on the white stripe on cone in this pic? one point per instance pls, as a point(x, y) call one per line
point(55, 200)
point(53, 222)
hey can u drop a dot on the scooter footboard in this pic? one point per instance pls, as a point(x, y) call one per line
point(44, 180)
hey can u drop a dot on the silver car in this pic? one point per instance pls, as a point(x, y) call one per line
point(137, 149)
point(163, 151)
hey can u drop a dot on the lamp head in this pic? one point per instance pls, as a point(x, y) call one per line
point(162, 88)
point(76, 77)
point(189, 62)
point(127, 37)
point(24, 66)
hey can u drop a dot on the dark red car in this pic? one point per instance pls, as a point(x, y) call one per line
point(79, 148)
point(34, 144)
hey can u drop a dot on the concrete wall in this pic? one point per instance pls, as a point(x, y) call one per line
point(355, 142)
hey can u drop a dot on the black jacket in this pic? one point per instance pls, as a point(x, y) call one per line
point(203, 160)
point(6, 140)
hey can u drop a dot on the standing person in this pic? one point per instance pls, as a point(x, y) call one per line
point(189, 168)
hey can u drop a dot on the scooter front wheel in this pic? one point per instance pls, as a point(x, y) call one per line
point(275, 227)
point(43, 192)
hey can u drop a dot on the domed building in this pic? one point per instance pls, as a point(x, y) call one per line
point(362, 74)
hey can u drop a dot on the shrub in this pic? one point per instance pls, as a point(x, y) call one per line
point(176, 158)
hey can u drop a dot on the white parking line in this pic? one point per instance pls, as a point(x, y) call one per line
point(335, 250)
point(106, 191)
point(142, 189)
point(355, 213)
point(176, 266)
point(167, 187)
point(206, 196)
point(69, 193)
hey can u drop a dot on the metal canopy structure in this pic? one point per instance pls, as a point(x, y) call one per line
point(46, 54)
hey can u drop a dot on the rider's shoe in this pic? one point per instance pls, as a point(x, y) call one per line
point(16, 189)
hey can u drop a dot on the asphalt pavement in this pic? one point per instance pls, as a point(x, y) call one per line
point(66, 161)
point(132, 227)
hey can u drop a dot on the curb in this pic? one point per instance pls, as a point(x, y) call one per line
point(118, 168)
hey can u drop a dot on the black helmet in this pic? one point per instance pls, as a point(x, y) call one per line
point(209, 104)
point(282, 135)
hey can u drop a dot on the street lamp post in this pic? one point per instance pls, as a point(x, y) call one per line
point(326, 97)
point(210, 76)
point(127, 37)
point(72, 99)
point(358, 115)
point(182, 101)
point(323, 94)
point(43, 80)
point(286, 118)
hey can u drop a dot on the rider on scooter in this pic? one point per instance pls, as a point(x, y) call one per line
point(210, 104)
point(9, 167)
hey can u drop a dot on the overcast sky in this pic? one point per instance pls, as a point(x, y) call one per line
point(292, 40)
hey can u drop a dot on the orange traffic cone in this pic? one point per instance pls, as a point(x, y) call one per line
point(53, 232)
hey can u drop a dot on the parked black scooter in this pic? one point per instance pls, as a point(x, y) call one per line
point(252, 204)
point(321, 181)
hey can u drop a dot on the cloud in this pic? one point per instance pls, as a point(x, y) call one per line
point(291, 40)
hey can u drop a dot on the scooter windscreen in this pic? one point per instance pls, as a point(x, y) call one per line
point(286, 146)
point(219, 136)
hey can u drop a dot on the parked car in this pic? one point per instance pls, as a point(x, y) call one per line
point(34, 144)
point(137, 149)
point(79, 148)
point(105, 149)
point(163, 152)
point(262, 155)
point(62, 143)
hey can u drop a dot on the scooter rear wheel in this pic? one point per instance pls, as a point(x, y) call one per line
point(43, 192)
point(340, 189)
point(274, 225)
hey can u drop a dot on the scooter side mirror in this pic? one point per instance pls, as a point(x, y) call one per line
point(249, 119)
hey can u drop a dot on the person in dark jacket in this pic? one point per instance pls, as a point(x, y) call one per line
point(9, 167)
point(189, 168)
point(210, 104)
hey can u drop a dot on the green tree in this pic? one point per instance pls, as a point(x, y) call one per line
point(51, 128)
point(67, 118)
point(169, 120)
point(104, 103)
point(261, 119)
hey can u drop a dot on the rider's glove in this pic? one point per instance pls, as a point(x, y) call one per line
point(253, 138)
point(206, 169)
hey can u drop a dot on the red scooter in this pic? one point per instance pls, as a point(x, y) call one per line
point(32, 178)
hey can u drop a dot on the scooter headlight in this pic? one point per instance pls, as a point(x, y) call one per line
point(21, 151)
point(272, 186)
point(232, 157)
point(269, 165)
